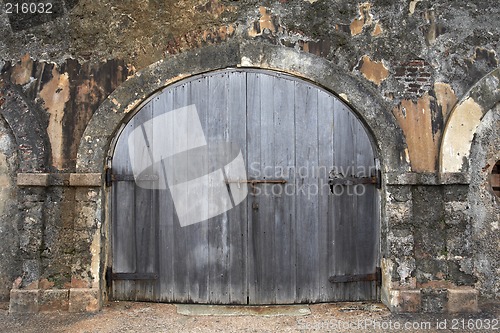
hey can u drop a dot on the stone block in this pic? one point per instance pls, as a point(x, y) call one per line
point(434, 300)
point(24, 301)
point(84, 300)
point(405, 301)
point(86, 216)
point(83, 194)
point(401, 243)
point(399, 212)
point(54, 300)
point(85, 179)
point(462, 300)
point(32, 179)
point(456, 212)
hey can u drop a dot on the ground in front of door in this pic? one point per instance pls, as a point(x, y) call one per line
point(339, 317)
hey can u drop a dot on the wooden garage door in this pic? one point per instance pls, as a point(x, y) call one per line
point(299, 225)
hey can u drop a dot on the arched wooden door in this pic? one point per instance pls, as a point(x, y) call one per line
point(244, 187)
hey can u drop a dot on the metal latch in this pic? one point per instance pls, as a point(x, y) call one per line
point(377, 277)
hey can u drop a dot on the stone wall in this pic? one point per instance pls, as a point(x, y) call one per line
point(10, 261)
point(423, 75)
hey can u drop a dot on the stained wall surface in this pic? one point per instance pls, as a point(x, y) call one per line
point(423, 75)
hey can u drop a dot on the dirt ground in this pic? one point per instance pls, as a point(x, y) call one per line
point(125, 317)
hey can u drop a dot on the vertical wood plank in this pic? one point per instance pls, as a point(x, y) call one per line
point(366, 217)
point(254, 159)
point(216, 132)
point(197, 234)
point(181, 248)
point(264, 230)
point(284, 213)
point(144, 219)
point(343, 146)
point(306, 142)
point(123, 238)
point(237, 217)
point(166, 211)
point(325, 214)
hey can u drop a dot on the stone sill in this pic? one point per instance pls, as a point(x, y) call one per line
point(59, 179)
point(444, 300)
point(52, 300)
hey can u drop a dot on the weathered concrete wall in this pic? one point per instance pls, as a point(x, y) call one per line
point(420, 73)
point(10, 262)
point(485, 205)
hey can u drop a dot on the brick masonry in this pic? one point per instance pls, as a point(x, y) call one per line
point(416, 76)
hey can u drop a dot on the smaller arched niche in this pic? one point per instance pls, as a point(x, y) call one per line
point(484, 203)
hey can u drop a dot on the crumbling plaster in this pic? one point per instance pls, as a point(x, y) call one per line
point(69, 80)
point(484, 209)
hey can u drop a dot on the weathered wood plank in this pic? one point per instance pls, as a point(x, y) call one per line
point(264, 236)
point(284, 216)
point(254, 159)
point(144, 217)
point(325, 213)
point(367, 234)
point(343, 147)
point(237, 217)
point(123, 238)
point(197, 234)
point(166, 210)
point(306, 143)
point(216, 132)
point(181, 248)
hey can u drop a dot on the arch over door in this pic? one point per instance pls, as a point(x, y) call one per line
point(241, 187)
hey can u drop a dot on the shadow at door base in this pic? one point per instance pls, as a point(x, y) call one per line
point(243, 310)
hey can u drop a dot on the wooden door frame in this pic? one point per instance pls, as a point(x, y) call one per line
point(106, 123)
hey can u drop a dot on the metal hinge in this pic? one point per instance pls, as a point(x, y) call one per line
point(377, 277)
point(108, 177)
point(337, 179)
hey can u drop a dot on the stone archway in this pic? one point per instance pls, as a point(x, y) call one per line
point(463, 122)
point(469, 149)
point(98, 137)
point(31, 137)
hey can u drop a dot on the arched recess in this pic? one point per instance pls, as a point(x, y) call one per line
point(118, 108)
point(31, 137)
point(10, 261)
point(205, 235)
point(463, 122)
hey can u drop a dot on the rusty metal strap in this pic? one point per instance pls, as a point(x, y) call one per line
point(131, 178)
point(353, 180)
point(349, 181)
